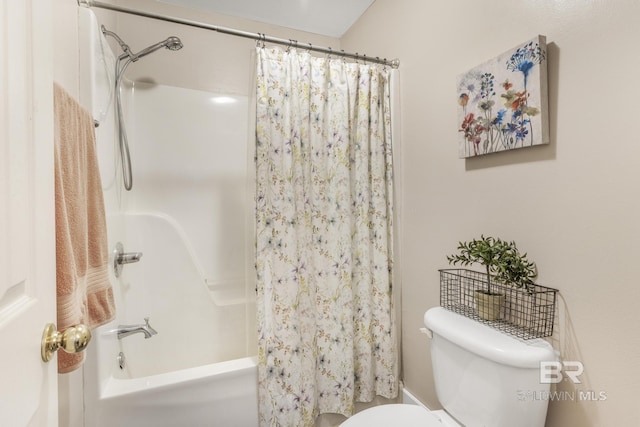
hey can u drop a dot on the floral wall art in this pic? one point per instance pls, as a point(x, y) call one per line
point(503, 102)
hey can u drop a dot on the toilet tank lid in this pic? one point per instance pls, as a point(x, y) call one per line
point(487, 342)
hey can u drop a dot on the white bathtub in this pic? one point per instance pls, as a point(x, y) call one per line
point(222, 394)
point(182, 376)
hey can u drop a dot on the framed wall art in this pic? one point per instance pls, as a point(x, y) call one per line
point(502, 104)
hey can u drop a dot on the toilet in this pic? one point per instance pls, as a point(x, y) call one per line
point(483, 378)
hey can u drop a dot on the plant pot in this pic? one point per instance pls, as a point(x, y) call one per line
point(488, 306)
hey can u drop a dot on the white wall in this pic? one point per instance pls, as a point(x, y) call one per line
point(572, 205)
point(190, 159)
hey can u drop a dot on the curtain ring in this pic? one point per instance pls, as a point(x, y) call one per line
point(382, 62)
point(329, 53)
point(385, 64)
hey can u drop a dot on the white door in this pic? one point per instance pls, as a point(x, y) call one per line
point(28, 386)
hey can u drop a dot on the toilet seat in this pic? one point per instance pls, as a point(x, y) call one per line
point(394, 415)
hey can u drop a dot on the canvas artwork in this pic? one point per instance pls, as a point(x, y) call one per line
point(503, 102)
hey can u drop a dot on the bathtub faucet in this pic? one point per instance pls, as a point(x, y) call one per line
point(146, 329)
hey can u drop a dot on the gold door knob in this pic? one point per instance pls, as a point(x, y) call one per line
point(73, 340)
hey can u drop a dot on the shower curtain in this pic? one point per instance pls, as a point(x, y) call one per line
point(324, 258)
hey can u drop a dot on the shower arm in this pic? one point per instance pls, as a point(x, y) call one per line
point(123, 45)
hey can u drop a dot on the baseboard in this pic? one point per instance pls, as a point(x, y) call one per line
point(410, 399)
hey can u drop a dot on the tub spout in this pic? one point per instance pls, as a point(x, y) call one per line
point(146, 329)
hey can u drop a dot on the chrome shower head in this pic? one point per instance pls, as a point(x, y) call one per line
point(172, 43)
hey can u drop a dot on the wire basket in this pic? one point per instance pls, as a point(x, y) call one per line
point(525, 314)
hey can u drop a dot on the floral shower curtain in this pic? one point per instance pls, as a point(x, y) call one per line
point(324, 236)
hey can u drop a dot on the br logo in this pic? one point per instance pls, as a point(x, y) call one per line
point(552, 372)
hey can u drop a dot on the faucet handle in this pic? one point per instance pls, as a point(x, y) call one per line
point(149, 327)
point(120, 258)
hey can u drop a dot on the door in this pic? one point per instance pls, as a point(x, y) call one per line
point(28, 386)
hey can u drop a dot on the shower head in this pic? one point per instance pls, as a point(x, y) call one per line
point(171, 43)
point(174, 43)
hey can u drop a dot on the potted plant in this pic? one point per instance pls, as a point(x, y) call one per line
point(503, 263)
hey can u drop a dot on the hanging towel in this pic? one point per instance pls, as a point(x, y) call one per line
point(84, 292)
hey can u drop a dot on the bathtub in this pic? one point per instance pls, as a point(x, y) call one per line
point(194, 372)
point(221, 394)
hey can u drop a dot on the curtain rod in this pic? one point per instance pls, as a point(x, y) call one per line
point(260, 37)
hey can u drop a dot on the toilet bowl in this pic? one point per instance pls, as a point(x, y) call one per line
point(480, 375)
point(404, 415)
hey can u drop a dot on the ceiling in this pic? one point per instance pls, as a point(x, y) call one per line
point(327, 17)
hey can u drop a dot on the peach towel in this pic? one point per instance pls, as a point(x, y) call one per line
point(84, 292)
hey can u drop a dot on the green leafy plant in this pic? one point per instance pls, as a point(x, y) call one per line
point(502, 261)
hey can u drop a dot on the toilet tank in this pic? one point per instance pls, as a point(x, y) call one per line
point(485, 378)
